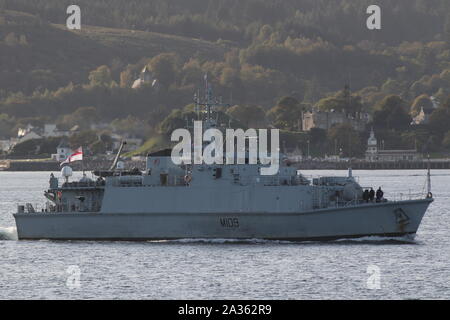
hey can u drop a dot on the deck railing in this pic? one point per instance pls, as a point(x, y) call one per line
point(49, 207)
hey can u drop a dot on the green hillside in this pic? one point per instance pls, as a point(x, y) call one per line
point(132, 45)
point(271, 60)
point(35, 54)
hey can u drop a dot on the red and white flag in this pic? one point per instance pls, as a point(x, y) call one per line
point(76, 156)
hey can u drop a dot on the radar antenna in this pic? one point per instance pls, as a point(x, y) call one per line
point(209, 102)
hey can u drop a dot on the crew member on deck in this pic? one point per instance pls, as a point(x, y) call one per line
point(371, 194)
point(380, 194)
point(366, 195)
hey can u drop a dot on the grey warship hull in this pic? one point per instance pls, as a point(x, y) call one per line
point(391, 219)
point(247, 194)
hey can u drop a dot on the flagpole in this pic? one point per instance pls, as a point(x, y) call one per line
point(77, 156)
point(82, 161)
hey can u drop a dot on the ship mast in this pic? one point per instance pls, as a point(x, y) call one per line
point(429, 178)
point(208, 102)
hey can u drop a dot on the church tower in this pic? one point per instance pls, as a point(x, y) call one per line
point(372, 147)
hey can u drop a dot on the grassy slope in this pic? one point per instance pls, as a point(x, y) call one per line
point(138, 44)
point(49, 48)
point(70, 55)
point(153, 144)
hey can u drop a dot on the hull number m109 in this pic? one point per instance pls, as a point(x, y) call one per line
point(229, 222)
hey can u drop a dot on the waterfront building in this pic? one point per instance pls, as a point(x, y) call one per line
point(327, 119)
point(62, 151)
point(374, 153)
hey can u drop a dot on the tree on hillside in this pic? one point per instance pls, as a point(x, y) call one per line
point(182, 118)
point(11, 39)
point(84, 138)
point(103, 144)
point(312, 91)
point(344, 137)
point(84, 117)
point(446, 140)
point(391, 113)
point(422, 101)
point(343, 101)
point(249, 115)
point(126, 78)
point(440, 119)
point(177, 119)
point(286, 114)
point(392, 87)
point(317, 141)
point(6, 126)
point(36, 148)
point(417, 138)
point(229, 77)
point(192, 72)
point(445, 75)
point(100, 76)
point(164, 68)
point(132, 126)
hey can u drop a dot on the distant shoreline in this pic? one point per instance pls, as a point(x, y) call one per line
point(88, 165)
point(91, 165)
point(366, 165)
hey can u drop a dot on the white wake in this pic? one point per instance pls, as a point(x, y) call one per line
point(362, 240)
point(8, 233)
point(381, 239)
point(223, 241)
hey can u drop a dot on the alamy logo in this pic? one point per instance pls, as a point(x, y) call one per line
point(213, 153)
point(73, 280)
point(74, 20)
point(374, 280)
point(374, 20)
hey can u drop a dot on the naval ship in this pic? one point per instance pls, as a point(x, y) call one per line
point(167, 201)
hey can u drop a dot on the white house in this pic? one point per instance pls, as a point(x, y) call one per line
point(146, 76)
point(5, 145)
point(29, 136)
point(62, 151)
point(50, 130)
point(21, 132)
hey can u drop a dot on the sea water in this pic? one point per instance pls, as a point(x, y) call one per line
point(368, 268)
